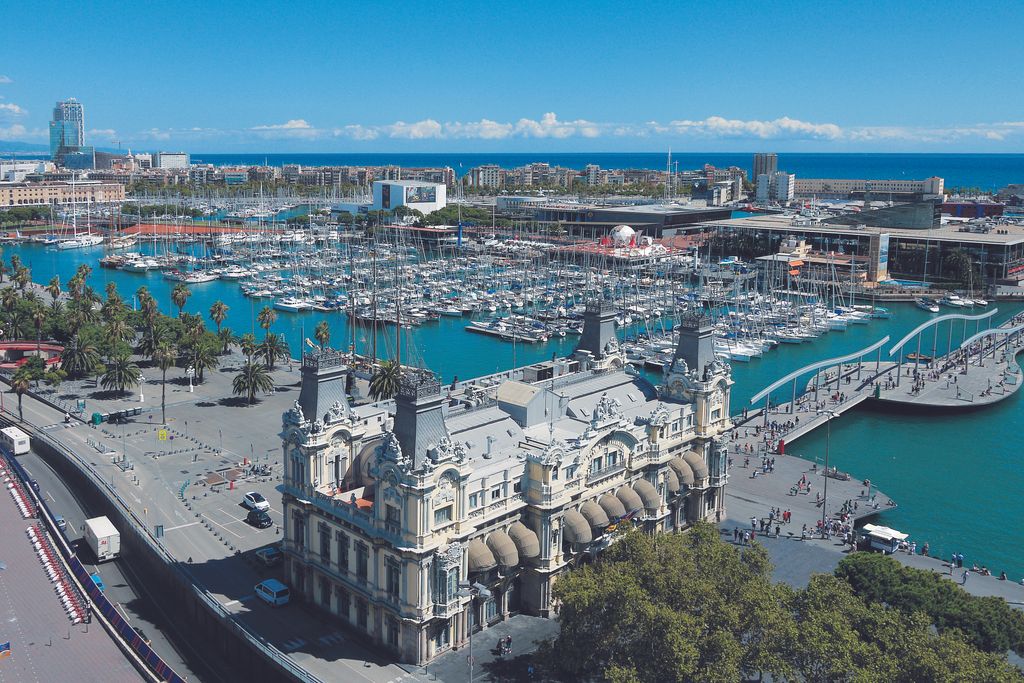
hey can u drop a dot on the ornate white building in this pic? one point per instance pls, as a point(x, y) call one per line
point(389, 507)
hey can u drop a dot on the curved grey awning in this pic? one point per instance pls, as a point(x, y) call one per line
point(629, 499)
point(576, 528)
point(612, 506)
point(595, 514)
point(525, 539)
point(480, 557)
point(696, 462)
point(649, 494)
point(682, 470)
point(671, 480)
point(504, 549)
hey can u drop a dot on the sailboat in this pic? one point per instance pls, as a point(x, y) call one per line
point(77, 241)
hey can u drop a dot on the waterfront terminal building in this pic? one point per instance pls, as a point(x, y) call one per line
point(392, 509)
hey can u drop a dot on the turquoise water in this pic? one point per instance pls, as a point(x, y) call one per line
point(955, 476)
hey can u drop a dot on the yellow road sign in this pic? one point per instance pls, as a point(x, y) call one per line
point(162, 435)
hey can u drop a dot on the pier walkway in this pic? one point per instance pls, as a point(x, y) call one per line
point(980, 371)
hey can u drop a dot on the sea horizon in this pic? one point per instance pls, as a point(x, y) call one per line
point(985, 170)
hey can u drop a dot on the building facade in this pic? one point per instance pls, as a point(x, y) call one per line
point(765, 163)
point(55, 193)
point(67, 128)
point(844, 188)
point(388, 195)
point(170, 160)
point(392, 509)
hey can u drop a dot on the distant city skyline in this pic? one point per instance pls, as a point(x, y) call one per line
point(338, 77)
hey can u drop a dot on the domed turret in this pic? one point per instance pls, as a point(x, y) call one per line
point(622, 235)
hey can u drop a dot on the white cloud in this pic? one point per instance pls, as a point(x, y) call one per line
point(484, 129)
point(5, 79)
point(292, 128)
point(420, 130)
point(11, 109)
point(102, 132)
point(781, 128)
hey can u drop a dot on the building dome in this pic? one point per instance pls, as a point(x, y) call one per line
point(622, 235)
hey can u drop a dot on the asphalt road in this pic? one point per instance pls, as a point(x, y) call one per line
point(122, 587)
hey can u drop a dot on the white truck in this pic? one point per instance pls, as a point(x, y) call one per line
point(103, 538)
point(15, 440)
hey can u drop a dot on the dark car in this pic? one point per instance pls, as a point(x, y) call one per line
point(259, 519)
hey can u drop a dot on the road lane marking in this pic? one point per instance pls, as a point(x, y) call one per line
point(180, 526)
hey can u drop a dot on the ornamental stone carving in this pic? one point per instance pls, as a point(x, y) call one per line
point(449, 557)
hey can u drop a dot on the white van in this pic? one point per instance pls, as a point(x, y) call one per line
point(15, 440)
point(272, 592)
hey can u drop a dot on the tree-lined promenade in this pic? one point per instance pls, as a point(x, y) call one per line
point(106, 341)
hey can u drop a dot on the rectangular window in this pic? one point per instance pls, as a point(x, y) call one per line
point(325, 543)
point(325, 592)
point(595, 465)
point(393, 575)
point(554, 473)
point(613, 458)
point(344, 603)
point(392, 631)
point(362, 562)
point(442, 515)
point(343, 551)
point(676, 426)
point(393, 519)
point(496, 493)
point(441, 638)
point(362, 613)
point(474, 501)
point(716, 414)
point(518, 486)
point(299, 526)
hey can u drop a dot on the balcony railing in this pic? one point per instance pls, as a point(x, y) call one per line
point(448, 609)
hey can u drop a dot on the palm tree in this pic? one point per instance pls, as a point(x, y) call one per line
point(118, 330)
point(21, 383)
point(202, 357)
point(272, 348)
point(253, 377)
point(959, 264)
point(75, 285)
point(9, 299)
point(38, 320)
point(218, 312)
point(22, 278)
point(179, 295)
point(384, 383)
point(165, 354)
point(78, 359)
point(247, 342)
point(266, 318)
point(121, 374)
point(53, 288)
point(227, 338)
point(322, 334)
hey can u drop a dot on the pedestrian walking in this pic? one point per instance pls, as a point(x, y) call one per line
point(967, 573)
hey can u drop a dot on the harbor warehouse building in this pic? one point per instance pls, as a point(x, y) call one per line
point(388, 195)
point(996, 248)
point(392, 509)
point(650, 220)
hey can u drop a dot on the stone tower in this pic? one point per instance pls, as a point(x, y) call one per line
point(419, 420)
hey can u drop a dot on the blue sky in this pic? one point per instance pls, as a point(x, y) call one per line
point(523, 76)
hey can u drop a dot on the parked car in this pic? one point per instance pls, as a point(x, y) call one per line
point(98, 581)
point(61, 523)
point(272, 592)
point(255, 501)
point(259, 519)
point(271, 556)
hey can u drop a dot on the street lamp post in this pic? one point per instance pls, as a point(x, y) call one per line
point(142, 385)
point(473, 591)
point(829, 414)
point(191, 372)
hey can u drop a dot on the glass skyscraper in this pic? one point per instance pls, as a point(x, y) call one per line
point(67, 129)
